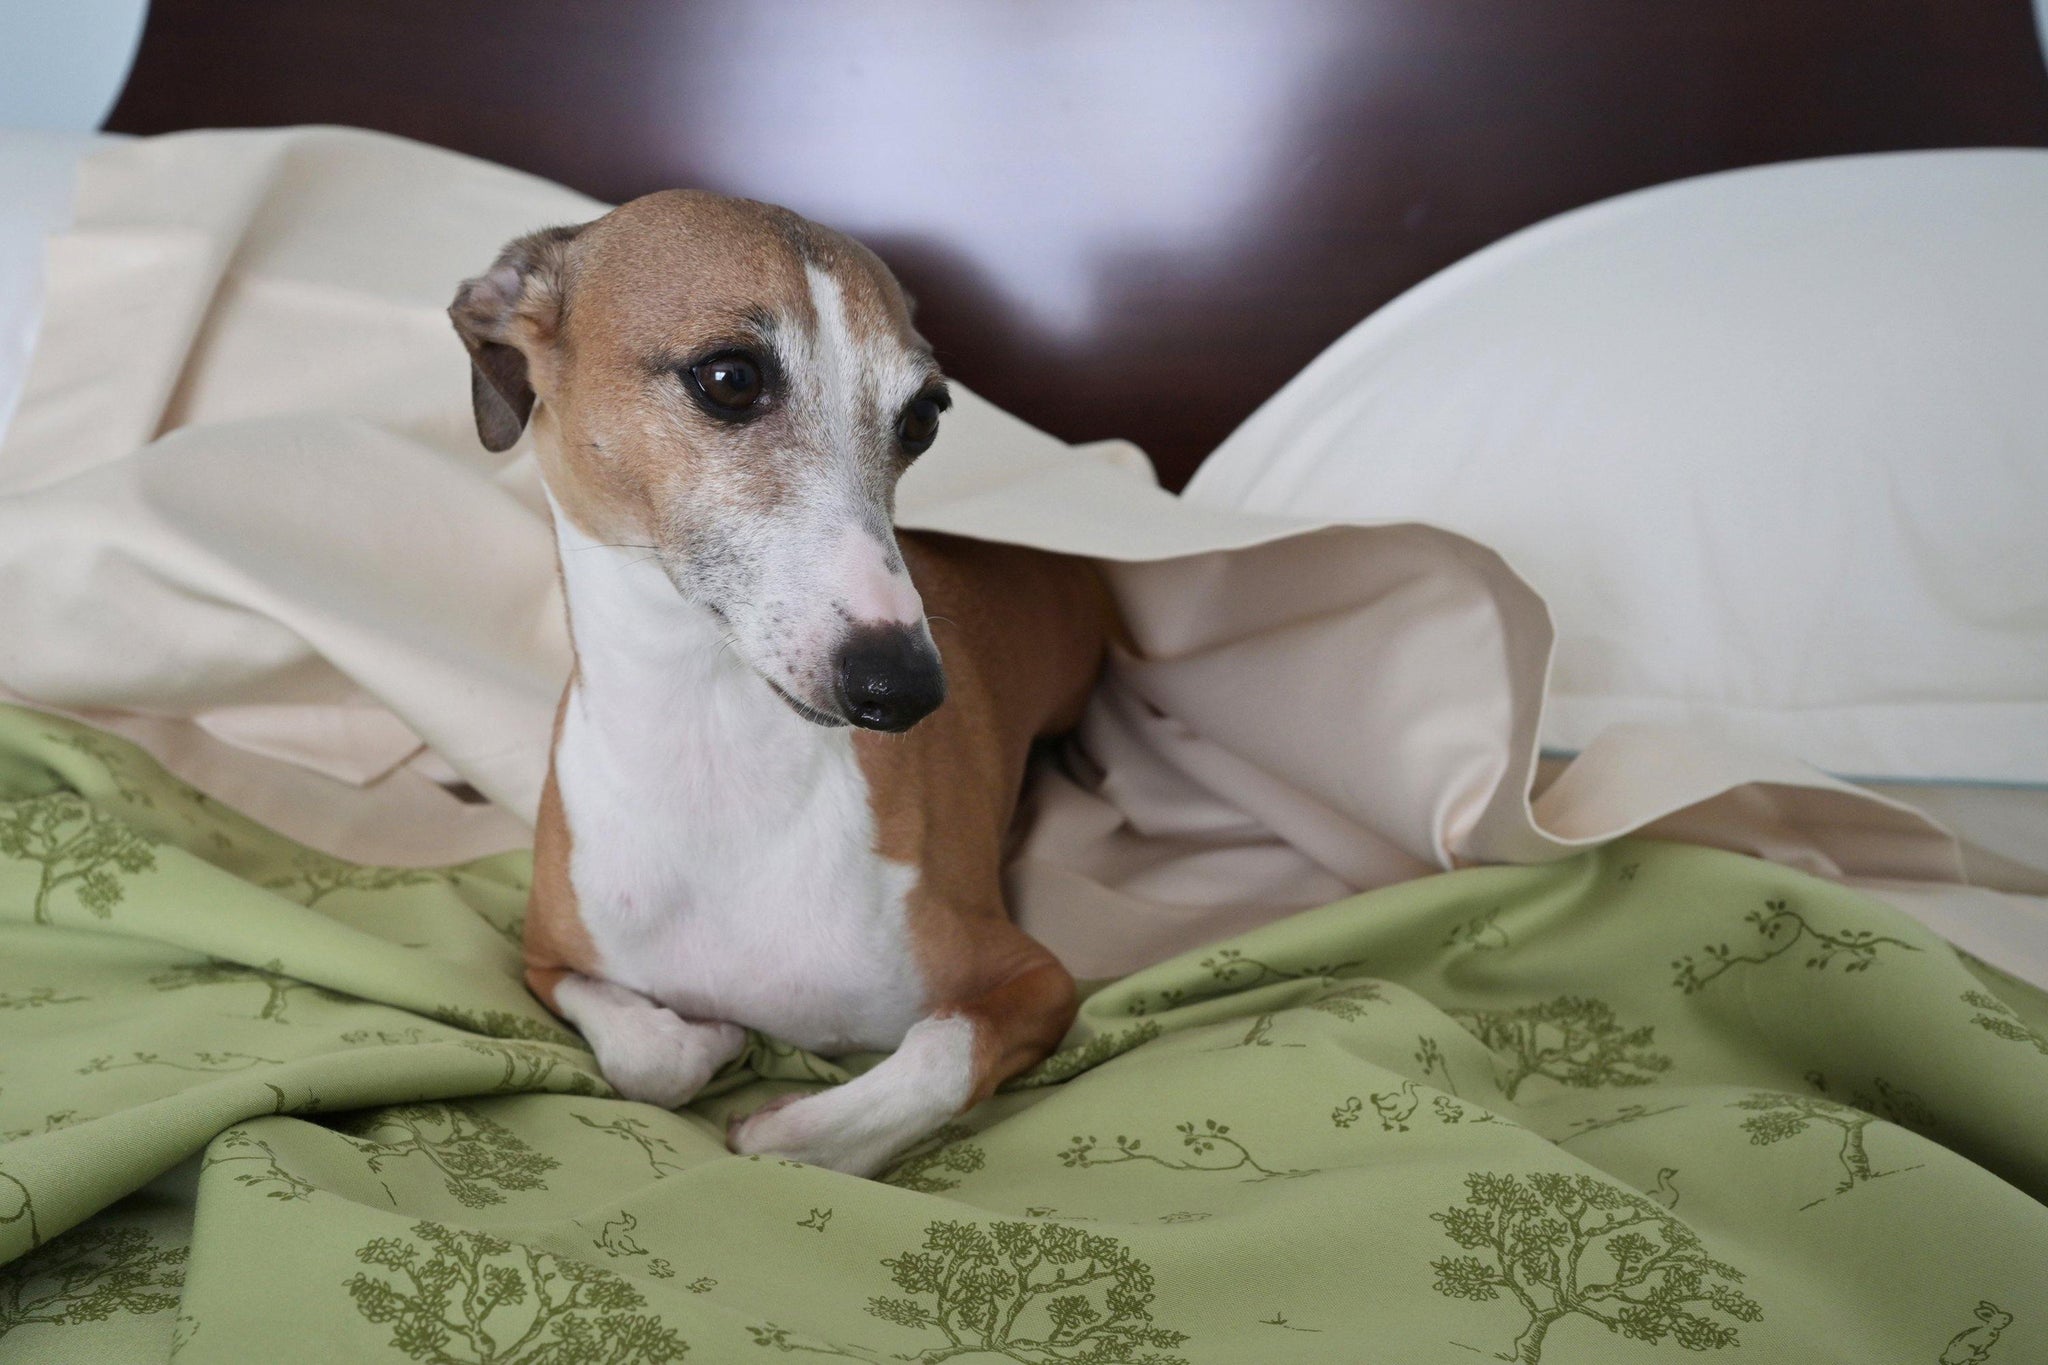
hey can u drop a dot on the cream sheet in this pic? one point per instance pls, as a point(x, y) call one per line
point(244, 520)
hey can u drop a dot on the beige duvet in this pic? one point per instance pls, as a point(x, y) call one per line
point(244, 520)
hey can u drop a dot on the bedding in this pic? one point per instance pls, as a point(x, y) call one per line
point(36, 174)
point(1772, 444)
point(1649, 1094)
point(262, 1032)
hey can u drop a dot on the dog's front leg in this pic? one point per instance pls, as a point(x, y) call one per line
point(949, 1061)
point(647, 1051)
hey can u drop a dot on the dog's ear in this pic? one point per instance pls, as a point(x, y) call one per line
point(513, 306)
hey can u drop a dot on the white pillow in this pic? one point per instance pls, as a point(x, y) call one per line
point(1773, 443)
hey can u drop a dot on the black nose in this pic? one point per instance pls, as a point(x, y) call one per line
point(889, 677)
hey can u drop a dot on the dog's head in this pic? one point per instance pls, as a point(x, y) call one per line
point(735, 391)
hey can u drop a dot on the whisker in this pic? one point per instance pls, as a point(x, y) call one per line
point(608, 545)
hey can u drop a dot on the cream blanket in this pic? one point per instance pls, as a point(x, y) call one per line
point(244, 521)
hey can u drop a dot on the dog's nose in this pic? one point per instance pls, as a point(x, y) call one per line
point(889, 677)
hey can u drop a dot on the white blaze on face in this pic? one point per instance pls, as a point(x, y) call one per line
point(873, 592)
point(851, 371)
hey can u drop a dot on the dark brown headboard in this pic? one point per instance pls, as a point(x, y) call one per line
point(1122, 219)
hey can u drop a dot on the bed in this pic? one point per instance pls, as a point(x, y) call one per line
point(1610, 935)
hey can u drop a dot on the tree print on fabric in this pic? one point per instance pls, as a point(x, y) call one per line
point(1628, 1113)
point(1776, 1117)
point(478, 1158)
point(278, 987)
point(527, 1066)
point(1573, 1040)
point(1480, 933)
point(505, 1024)
point(75, 846)
point(1780, 929)
point(1349, 1005)
point(1034, 1292)
point(1972, 1345)
point(314, 877)
point(63, 1118)
point(35, 997)
point(1209, 1148)
point(1564, 1245)
point(931, 1167)
point(635, 1131)
point(18, 1206)
point(88, 1275)
point(468, 1298)
point(102, 751)
point(236, 1146)
point(2000, 1020)
point(1231, 971)
point(201, 1061)
point(1067, 1064)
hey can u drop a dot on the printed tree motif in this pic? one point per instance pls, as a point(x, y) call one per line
point(235, 1145)
point(1778, 1117)
point(1429, 1055)
point(773, 1059)
point(1479, 933)
point(479, 1158)
point(1564, 1245)
point(102, 751)
point(219, 972)
point(2000, 1020)
point(18, 1205)
point(505, 1024)
point(75, 845)
point(1779, 929)
point(1065, 1065)
point(63, 1118)
point(316, 877)
point(35, 997)
point(1350, 1003)
point(1200, 1142)
point(1628, 1113)
point(931, 1165)
point(201, 1061)
point(528, 1067)
point(1573, 1040)
point(88, 1275)
point(635, 1131)
point(468, 1298)
point(1028, 1291)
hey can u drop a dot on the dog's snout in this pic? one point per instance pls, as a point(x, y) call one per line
point(889, 677)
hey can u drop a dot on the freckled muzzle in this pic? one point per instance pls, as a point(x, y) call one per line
point(888, 677)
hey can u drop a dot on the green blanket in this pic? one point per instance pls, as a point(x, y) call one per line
point(259, 1105)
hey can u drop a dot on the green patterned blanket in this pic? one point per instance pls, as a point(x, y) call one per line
point(259, 1105)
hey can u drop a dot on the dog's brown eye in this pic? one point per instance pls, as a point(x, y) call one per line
point(727, 384)
point(918, 427)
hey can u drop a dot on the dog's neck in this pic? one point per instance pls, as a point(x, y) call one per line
point(657, 684)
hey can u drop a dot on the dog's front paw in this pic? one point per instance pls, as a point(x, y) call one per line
point(800, 1128)
point(664, 1059)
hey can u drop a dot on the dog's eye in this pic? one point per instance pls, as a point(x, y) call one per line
point(918, 427)
point(727, 384)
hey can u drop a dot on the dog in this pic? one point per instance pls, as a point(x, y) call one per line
point(777, 799)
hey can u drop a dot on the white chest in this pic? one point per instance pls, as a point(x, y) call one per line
point(723, 848)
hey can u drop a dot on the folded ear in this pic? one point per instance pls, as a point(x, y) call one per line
point(500, 315)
